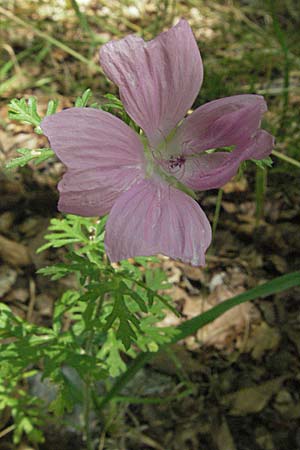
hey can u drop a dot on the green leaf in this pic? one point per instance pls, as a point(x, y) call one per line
point(110, 352)
point(69, 230)
point(82, 101)
point(24, 111)
point(37, 156)
point(263, 163)
point(125, 321)
point(52, 107)
point(156, 280)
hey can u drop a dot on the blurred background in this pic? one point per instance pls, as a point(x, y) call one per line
point(244, 369)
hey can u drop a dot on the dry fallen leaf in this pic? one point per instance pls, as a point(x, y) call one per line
point(294, 336)
point(264, 439)
point(8, 277)
point(263, 339)
point(6, 221)
point(252, 399)
point(44, 304)
point(229, 207)
point(223, 331)
point(222, 436)
point(18, 295)
point(237, 185)
point(14, 253)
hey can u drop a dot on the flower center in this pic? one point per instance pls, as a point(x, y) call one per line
point(165, 169)
point(175, 162)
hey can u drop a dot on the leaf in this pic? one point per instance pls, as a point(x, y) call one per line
point(252, 399)
point(37, 156)
point(263, 163)
point(110, 352)
point(82, 101)
point(125, 319)
point(68, 230)
point(157, 279)
point(52, 107)
point(24, 111)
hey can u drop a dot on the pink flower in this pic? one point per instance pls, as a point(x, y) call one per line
point(144, 183)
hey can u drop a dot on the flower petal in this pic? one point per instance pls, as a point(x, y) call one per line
point(210, 171)
point(103, 157)
point(220, 123)
point(153, 217)
point(261, 146)
point(158, 80)
point(92, 192)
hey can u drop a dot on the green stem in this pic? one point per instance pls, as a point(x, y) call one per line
point(82, 18)
point(217, 212)
point(86, 414)
point(87, 399)
point(287, 159)
point(260, 190)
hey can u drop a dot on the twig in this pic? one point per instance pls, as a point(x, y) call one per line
point(7, 430)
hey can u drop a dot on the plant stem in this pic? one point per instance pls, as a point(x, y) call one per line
point(82, 18)
point(260, 189)
point(217, 212)
point(89, 349)
point(86, 413)
point(287, 159)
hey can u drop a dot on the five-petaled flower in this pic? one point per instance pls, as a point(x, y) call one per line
point(144, 181)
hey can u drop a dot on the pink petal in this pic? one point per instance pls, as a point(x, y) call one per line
point(152, 217)
point(158, 80)
point(261, 146)
point(220, 123)
point(92, 192)
point(210, 171)
point(103, 157)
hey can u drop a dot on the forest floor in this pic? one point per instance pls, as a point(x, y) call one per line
point(243, 370)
